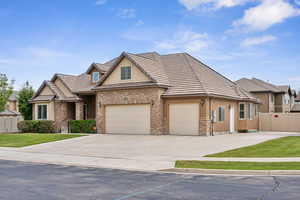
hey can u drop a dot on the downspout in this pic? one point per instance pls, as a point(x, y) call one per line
point(211, 118)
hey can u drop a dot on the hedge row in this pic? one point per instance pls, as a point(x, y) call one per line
point(37, 126)
point(83, 126)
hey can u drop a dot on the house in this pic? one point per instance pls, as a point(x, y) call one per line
point(273, 98)
point(296, 107)
point(12, 104)
point(148, 93)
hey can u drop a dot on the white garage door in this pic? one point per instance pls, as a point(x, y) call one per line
point(128, 119)
point(184, 119)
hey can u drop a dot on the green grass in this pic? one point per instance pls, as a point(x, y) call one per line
point(22, 140)
point(282, 147)
point(238, 165)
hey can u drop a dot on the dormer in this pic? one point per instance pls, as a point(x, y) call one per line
point(96, 71)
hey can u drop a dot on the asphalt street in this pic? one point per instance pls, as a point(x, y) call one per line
point(28, 181)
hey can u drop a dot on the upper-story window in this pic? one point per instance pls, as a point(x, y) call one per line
point(95, 77)
point(125, 73)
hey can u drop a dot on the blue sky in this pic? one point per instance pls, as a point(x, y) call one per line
point(238, 38)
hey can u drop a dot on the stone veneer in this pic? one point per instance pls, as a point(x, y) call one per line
point(150, 96)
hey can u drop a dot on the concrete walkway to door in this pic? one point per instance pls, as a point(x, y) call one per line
point(134, 152)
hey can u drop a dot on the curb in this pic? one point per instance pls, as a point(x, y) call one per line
point(234, 172)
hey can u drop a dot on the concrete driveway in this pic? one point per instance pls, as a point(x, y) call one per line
point(131, 151)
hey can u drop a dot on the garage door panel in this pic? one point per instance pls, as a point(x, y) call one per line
point(128, 119)
point(184, 119)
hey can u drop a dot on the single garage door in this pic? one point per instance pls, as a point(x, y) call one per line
point(184, 119)
point(128, 119)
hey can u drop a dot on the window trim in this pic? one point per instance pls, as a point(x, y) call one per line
point(93, 80)
point(126, 76)
point(37, 112)
point(244, 111)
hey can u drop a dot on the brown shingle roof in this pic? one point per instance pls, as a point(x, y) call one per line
point(183, 74)
point(257, 85)
point(180, 74)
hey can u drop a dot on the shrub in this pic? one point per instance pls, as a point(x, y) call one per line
point(83, 126)
point(37, 126)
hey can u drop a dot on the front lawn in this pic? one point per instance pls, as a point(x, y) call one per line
point(282, 147)
point(27, 139)
point(238, 165)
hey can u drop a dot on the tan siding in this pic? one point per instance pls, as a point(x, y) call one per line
point(46, 91)
point(136, 74)
point(264, 107)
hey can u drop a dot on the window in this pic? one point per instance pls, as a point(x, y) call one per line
point(95, 77)
point(242, 111)
point(250, 111)
point(221, 114)
point(125, 73)
point(42, 112)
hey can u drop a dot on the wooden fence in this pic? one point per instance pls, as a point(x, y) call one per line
point(279, 122)
point(8, 122)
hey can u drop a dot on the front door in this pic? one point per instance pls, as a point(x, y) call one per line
point(232, 128)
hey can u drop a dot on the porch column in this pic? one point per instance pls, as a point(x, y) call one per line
point(205, 121)
point(79, 110)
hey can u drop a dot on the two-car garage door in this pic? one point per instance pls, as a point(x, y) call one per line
point(128, 119)
point(135, 119)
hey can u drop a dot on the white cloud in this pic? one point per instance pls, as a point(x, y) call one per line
point(184, 40)
point(126, 13)
point(265, 15)
point(215, 4)
point(100, 2)
point(258, 40)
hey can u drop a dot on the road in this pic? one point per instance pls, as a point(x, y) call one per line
point(28, 181)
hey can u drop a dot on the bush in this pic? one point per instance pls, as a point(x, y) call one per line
point(37, 126)
point(83, 126)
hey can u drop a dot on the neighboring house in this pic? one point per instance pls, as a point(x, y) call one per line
point(12, 103)
point(296, 107)
point(273, 98)
point(148, 93)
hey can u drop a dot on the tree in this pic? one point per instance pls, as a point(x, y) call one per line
point(24, 96)
point(6, 89)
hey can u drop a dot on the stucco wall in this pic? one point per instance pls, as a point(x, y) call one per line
point(136, 74)
point(130, 97)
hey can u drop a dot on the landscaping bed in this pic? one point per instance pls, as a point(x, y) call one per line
point(22, 140)
point(238, 165)
point(279, 148)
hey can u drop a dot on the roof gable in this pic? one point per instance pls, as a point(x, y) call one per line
point(118, 61)
point(136, 74)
